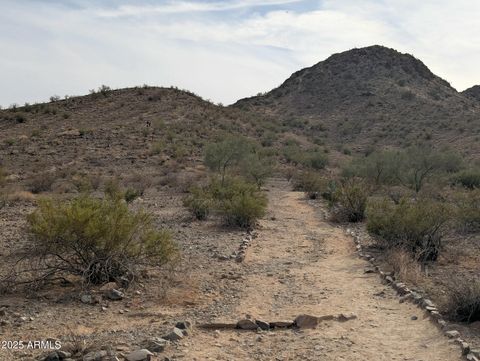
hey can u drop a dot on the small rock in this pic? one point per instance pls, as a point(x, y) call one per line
point(114, 294)
point(346, 316)
point(442, 323)
point(452, 334)
point(414, 318)
point(465, 347)
point(183, 325)
point(86, 298)
point(247, 324)
point(281, 324)
point(63, 354)
point(262, 325)
point(52, 356)
point(157, 344)
point(139, 355)
point(306, 321)
point(175, 335)
point(95, 356)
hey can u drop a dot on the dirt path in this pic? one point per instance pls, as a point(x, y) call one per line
point(301, 264)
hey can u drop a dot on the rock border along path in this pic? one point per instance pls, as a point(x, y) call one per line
point(301, 264)
point(470, 353)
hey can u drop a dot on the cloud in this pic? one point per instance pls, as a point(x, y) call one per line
point(176, 7)
point(220, 50)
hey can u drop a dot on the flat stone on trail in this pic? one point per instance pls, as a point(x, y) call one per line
point(281, 324)
point(346, 316)
point(175, 335)
point(262, 325)
point(139, 355)
point(247, 324)
point(306, 321)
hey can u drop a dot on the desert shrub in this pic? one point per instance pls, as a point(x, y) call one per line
point(312, 183)
point(228, 153)
point(41, 182)
point(131, 194)
point(114, 190)
point(99, 240)
point(236, 201)
point(256, 168)
point(412, 167)
point(350, 200)
point(314, 159)
point(157, 148)
point(468, 211)
point(199, 202)
point(377, 168)
point(416, 226)
point(239, 203)
point(463, 299)
point(317, 160)
point(3, 176)
point(469, 178)
point(20, 118)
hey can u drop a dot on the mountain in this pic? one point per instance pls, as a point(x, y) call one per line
point(372, 95)
point(473, 92)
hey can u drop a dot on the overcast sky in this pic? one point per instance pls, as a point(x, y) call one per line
point(221, 50)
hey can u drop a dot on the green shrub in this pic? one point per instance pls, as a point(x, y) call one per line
point(469, 178)
point(131, 194)
point(99, 240)
point(228, 153)
point(256, 169)
point(236, 201)
point(240, 203)
point(468, 211)
point(311, 183)
point(317, 160)
point(350, 200)
point(199, 202)
point(114, 190)
point(416, 226)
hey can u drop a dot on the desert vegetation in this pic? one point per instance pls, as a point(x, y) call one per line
point(415, 203)
point(239, 169)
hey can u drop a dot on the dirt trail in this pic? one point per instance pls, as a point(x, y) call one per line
point(302, 264)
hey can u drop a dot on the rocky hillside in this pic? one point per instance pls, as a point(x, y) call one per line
point(147, 130)
point(473, 92)
point(373, 95)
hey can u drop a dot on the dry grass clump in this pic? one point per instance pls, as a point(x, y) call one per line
point(349, 200)
point(41, 182)
point(463, 299)
point(405, 266)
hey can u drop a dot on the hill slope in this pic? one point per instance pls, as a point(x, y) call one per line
point(372, 95)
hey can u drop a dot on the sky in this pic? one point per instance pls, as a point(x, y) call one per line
point(221, 50)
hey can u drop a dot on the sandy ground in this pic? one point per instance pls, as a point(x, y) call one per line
point(302, 264)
